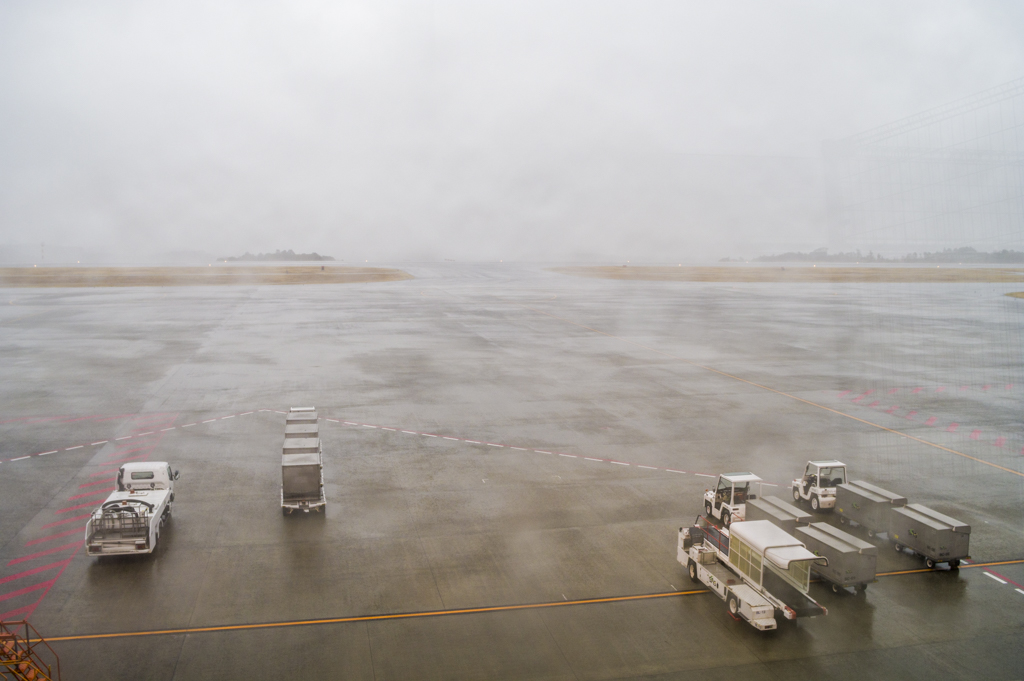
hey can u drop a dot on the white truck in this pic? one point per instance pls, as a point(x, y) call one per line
point(819, 482)
point(727, 502)
point(129, 521)
point(756, 567)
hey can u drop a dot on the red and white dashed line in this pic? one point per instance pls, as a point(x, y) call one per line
point(1020, 591)
point(989, 574)
point(122, 438)
point(68, 449)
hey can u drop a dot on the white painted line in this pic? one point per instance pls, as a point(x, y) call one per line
point(386, 428)
point(476, 442)
point(349, 423)
point(769, 484)
point(989, 574)
point(280, 412)
point(410, 432)
point(427, 435)
point(164, 430)
point(368, 426)
point(101, 442)
point(212, 420)
point(673, 470)
point(450, 438)
point(331, 420)
point(142, 434)
point(1020, 591)
point(188, 425)
point(571, 456)
point(522, 449)
point(650, 468)
point(704, 475)
point(620, 463)
point(52, 451)
point(245, 413)
point(222, 418)
point(589, 459)
point(68, 449)
point(122, 438)
point(491, 444)
point(19, 458)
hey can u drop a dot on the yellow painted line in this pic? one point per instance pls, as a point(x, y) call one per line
point(441, 613)
point(371, 618)
point(777, 392)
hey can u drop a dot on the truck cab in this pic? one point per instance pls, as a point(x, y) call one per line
point(818, 484)
point(727, 502)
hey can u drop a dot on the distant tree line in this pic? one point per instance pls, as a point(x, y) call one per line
point(965, 254)
point(275, 256)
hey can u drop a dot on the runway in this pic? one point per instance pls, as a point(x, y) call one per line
point(509, 453)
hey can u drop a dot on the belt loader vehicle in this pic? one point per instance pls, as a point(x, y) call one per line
point(930, 534)
point(727, 502)
point(129, 521)
point(302, 464)
point(819, 482)
point(758, 569)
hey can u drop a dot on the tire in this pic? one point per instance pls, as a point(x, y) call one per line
point(836, 588)
point(707, 509)
point(691, 568)
point(871, 534)
point(929, 563)
point(842, 520)
point(726, 519)
point(861, 588)
point(796, 494)
point(899, 548)
point(954, 564)
point(814, 503)
point(734, 605)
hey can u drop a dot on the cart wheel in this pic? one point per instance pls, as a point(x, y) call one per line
point(814, 503)
point(871, 533)
point(691, 567)
point(796, 494)
point(734, 604)
point(899, 548)
point(861, 588)
point(842, 520)
point(726, 519)
point(835, 588)
point(955, 563)
point(929, 563)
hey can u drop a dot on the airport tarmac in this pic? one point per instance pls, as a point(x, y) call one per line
point(509, 454)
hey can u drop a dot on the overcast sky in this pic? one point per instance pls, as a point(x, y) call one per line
point(473, 131)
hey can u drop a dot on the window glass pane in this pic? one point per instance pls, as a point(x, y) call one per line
point(142, 475)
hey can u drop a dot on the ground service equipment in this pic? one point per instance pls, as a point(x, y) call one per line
point(865, 504)
point(785, 515)
point(819, 482)
point(301, 430)
point(851, 561)
point(129, 521)
point(758, 569)
point(934, 536)
point(302, 464)
point(727, 502)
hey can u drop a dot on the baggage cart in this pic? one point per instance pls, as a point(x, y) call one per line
point(783, 514)
point(302, 483)
point(301, 415)
point(851, 561)
point(302, 430)
point(930, 534)
point(301, 445)
point(865, 504)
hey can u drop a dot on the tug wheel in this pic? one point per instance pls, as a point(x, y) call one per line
point(796, 494)
point(814, 503)
point(726, 519)
point(707, 509)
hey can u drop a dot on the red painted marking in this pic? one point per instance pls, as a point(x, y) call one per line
point(940, 388)
point(911, 415)
point(121, 451)
point(130, 458)
point(975, 434)
point(952, 427)
point(986, 387)
point(66, 521)
point(28, 610)
point(858, 399)
point(15, 613)
point(1000, 441)
point(40, 554)
point(874, 404)
point(34, 571)
point(98, 482)
point(844, 393)
point(27, 589)
point(77, 530)
point(1009, 386)
point(931, 421)
point(891, 409)
point(91, 504)
point(91, 494)
point(916, 390)
point(963, 387)
point(1003, 577)
point(106, 472)
point(893, 390)
point(1022, 451)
